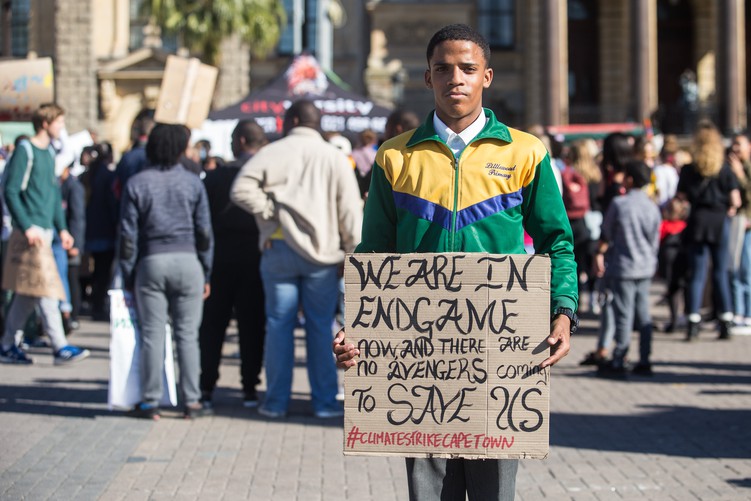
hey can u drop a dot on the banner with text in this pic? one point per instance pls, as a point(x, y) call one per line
point(450, 346)
point(24, 85)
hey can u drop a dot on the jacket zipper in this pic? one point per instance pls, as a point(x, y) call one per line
point(452, 246)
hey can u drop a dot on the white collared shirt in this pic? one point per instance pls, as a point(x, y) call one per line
point(457, 142)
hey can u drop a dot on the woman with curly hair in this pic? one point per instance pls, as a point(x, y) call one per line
point(709, 185)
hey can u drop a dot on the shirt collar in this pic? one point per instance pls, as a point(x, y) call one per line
point(466, 135)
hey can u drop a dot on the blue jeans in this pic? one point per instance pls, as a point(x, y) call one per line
point(742, 281)
point(631, 297)
point(290, 281)
point(698, 255)
point(61, 259)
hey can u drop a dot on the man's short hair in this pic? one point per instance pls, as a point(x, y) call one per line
point(306, 113)
point(45, 113)
point(459, 32)
point(251, 132)
point(639, 172)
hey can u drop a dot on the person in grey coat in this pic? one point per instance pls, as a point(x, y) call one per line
point(166, 248)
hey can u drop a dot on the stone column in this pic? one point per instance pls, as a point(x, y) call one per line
point(234, 73)
point(732, 70)
point(75, 65)
point(556, 62)
point(644, 46)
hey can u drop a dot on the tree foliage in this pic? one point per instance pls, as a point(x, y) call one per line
point(202, 25)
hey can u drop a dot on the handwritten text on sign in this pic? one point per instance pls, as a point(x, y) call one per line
point(449, 351)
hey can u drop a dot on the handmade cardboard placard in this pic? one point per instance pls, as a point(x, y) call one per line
point(186, 92)
point(450, 346)
point(24, 85)
point(31, 270)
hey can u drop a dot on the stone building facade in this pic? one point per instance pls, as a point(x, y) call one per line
point(555, 61)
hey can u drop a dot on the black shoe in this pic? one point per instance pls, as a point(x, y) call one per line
point(693, 331)
point(669, 328)
point(608, 370)
point(144, 411)
point(725, 330)
point(642, 370)
point(251, 399)
point(198, 410)
point(592, 358)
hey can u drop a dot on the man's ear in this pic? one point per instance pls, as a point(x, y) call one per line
point(428, 81)
point(487, 78)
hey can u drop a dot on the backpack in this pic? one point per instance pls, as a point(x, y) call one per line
point(26, 145)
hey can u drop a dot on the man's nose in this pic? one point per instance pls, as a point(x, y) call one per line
point(456, 76)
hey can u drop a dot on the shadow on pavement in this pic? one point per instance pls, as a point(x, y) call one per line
point(56, 397)
point(673, 431)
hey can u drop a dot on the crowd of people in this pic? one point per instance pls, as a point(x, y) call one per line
point(644, 208)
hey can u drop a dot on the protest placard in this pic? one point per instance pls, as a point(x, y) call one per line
point(24, 85)
point(31, 269)
point(186, 92)
point(450, 346)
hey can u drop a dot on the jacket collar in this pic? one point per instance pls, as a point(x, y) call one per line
point(493, 130)
point(301, 130)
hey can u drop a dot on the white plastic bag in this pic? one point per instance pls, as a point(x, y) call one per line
point(125, 376)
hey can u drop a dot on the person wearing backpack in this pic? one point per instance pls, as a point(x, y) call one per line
point(33, 198)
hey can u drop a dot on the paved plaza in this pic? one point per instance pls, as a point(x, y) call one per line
point(684, 434)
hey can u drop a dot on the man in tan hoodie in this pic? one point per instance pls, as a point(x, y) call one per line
point(306, 201)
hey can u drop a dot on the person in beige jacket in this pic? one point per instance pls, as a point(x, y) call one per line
point(306, 201)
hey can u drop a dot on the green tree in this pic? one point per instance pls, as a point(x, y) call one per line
point(202, 25)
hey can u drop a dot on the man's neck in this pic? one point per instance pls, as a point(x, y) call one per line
point(41, 140)
point(457, 125)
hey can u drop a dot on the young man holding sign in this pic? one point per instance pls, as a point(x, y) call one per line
point(464, 182)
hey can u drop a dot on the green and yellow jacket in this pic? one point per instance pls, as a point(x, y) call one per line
point(424, 199)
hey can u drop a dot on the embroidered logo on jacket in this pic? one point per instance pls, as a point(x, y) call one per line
point(499, 170)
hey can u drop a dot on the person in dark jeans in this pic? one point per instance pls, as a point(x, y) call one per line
point(101, 224)
point(235, 280)
point(73, 196)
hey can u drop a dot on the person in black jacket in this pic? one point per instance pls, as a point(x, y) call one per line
point(235, 280)
point(74, 206)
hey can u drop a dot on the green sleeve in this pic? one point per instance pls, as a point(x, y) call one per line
point(546, 222)
point(13, 178)
point(379, 219)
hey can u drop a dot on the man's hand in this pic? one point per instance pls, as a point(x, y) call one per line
point(206, 291)
point(345, 353)
point(559, 340)
point(73, 252)
point(66, 239)
point(34, 237)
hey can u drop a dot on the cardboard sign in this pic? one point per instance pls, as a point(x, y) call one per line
point(31, 270)
point(186, 92)
point(24, 85)
point(450, 347)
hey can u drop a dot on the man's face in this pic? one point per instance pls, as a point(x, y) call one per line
point(55, 128)
point(458, 73)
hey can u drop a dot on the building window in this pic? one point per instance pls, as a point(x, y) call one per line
point(19, 27)
point(496, 20)
point(306, 38)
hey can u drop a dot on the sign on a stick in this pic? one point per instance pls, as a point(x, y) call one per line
point(450, 347)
